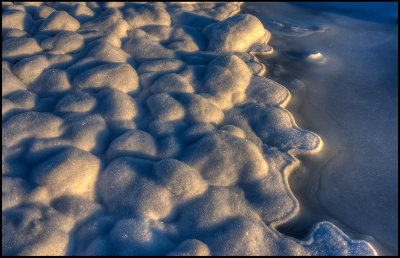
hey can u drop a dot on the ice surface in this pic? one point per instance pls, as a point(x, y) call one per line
point(148, 129)
point(351, 101)
point(317, 58)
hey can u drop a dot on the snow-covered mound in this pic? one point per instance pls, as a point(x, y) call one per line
point(147, 129)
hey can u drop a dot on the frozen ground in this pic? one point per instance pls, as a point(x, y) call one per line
point(149, 129)
point(348, 95)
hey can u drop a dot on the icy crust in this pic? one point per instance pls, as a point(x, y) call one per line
point(147, 129)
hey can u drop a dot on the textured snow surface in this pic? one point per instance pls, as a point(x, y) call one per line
point(148, 129)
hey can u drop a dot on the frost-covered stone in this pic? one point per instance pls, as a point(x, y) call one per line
point(112, 23)
point(191, 247)
point(134, 143)
point(44, 11)
point(17, 48)
point(50, 82)
point(223, 159)
point(139, 15)
point(59, 21)
point(63, 42)
point(16, 20)
point(164, 107)
point(238, 33)
point(123, 189)
point(115, 75)
point(76, 102)
point(72, 171)
point(227, 79)
point(171, 82)
point(30, 68)
point(107, 52)
point(10, 83)
point(30, 124)
point(182, 180)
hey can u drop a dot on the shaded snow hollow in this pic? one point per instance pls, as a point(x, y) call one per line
point(148, 129)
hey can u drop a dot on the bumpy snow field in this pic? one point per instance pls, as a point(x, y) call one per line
point(148, 129)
